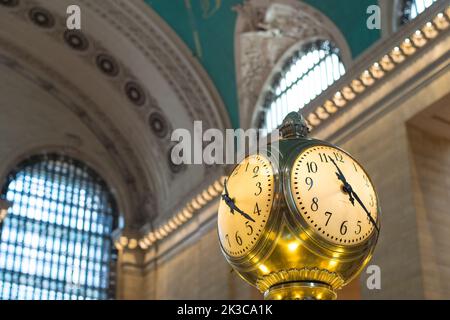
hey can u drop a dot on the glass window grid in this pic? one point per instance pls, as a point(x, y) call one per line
point(55, 241)
point(304, 76)
point(412, 8)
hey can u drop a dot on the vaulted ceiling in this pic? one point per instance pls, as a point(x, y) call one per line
point(109, 95)
point(112, 93)
point(207, 27)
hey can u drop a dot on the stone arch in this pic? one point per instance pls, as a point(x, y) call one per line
point(266, 31)
point(125, 80)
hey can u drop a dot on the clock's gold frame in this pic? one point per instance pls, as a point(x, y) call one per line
point(289, 260)
point(300, 225)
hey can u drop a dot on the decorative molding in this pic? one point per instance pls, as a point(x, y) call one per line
point(107, 135)
point(41, 17)
point(293, 275)
point(160, 47)
point(266, 33)
point(379, 63)
point(151, 238)
point(421, 32)
point(127, 15)
point(137, 22)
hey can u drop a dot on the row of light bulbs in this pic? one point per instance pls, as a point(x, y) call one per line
point(387, 63)
point(368, 77)
point(177, 220)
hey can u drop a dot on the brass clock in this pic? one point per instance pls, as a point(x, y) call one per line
point(321, 194)
point(300, 221)
point(251, 183)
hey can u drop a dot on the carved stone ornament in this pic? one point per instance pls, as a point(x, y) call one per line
point(124, 75)
point(266, 32)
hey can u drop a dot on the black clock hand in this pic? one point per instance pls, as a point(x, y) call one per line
point(347, 187)
point(234, 207)
point(243, 214)
point(225, 188)
point(226, 197)
point(230, 203)
point(365, 209)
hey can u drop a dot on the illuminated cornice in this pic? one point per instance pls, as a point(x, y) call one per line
point(176, 221)
point(409, 41)
point(364, 75)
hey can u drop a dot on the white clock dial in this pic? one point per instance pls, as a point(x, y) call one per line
point(324, 201)
point(244, 212)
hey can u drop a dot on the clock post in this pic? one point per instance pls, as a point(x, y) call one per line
point(301, 227)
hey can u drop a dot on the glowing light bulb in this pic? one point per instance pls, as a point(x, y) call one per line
point(123, 240)
point(132, 244)
point(187, 213)
point(151, 237)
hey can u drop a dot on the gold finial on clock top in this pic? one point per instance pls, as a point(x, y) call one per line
point(302, 222)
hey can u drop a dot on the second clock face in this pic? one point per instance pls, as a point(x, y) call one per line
point(244, 211)
point(321, 178)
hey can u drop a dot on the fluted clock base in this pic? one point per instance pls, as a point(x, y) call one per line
point(300, 291)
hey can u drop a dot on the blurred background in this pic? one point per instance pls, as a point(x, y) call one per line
point(92, 206)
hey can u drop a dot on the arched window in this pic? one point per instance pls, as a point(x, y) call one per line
point(55, 242)
point(307, 73)
point(412, 8)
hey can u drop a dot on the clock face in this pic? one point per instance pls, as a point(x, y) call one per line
point(245, 209)
point(326, 184)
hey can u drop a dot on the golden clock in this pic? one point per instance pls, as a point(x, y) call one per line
point(248, 198)
point(320, 178)
point(299, 220)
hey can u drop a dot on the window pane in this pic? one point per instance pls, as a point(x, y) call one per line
point(412, 8)
point(306, 75)
point(51, 240)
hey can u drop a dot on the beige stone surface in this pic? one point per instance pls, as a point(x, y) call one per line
point(410, 170)
point(199, 271)
point(431, 183)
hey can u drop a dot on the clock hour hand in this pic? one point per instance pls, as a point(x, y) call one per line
point(226, 197)
point(230, 203)
point(347, 187)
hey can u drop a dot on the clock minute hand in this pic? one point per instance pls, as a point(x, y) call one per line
point(353, 195)
point(339, 173)
point(347, 187)
point(243, 214)
point(367, 211)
